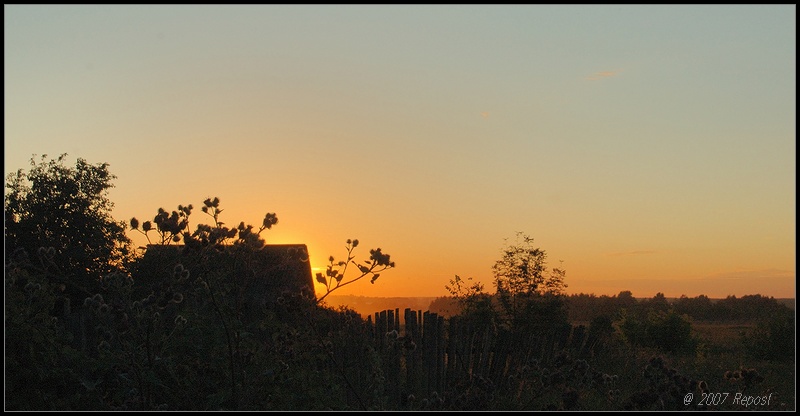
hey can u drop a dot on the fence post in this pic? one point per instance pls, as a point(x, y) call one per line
point(370, 327)
point(429, 350)
point(411, 352)
point(392, 354)
point(380, 329)
point(440, 354)
point(452, 340)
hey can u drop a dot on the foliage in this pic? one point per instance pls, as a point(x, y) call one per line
point(657, 303)
point(585, 307)
point(530, 294)
point(529, 297)
point(42, 369)
point(522, 270)
point(66, 208)
point(219, 257)
point(474, 303)
point(773, 338)
point(745, 307)
point(633, 328)
point(601, 330)
point(699, 308)
point(671, 332)
point(173, 227)
point(334, 277)
point(667, 331)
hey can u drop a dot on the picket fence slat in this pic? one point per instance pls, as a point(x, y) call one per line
point(423, 352)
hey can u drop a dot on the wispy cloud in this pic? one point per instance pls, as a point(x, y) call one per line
point(602, 74)
point(631, 253)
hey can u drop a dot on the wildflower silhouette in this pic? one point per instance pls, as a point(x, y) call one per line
point(334, 277)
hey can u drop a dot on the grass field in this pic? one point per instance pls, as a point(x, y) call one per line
point(721, 351)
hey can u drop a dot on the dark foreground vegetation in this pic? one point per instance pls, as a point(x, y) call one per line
point(84, 332)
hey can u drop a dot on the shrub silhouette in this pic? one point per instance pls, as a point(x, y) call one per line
point(773, 338)
point(66, 210)
point(335, 273)
point(666, 330)
point(525, 287)
point(671, 332)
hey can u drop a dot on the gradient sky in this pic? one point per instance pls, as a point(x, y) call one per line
point(649, 148)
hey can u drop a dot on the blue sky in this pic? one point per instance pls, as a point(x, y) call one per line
point(651, 148)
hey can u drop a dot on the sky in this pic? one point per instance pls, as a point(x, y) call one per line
point(643, 148)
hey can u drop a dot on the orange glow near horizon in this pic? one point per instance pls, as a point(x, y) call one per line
point(425, 276)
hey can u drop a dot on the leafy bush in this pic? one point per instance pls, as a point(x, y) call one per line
point(66, 208)
point(773, 338)
point(42, 369)
point(671, 332)
point(666, 330)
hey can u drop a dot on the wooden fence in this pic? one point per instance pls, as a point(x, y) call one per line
point(419, 354)
point(426, 355)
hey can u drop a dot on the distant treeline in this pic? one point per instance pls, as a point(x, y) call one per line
point(587, 307)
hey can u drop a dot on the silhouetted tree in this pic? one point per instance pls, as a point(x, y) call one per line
point(625, 299)
point(527, 289)
point(670, 332)
point(658, 302)
point(66, 212)
point(699, 308)
point(586, 307)
point(473, 302)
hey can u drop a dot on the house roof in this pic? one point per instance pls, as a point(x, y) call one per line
point(265, 272)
